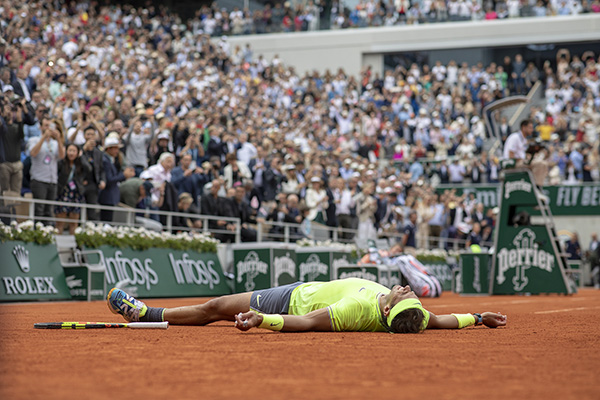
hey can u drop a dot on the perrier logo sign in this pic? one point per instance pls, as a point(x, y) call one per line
point(252, 266)
point(312, 268)
point(526, 254)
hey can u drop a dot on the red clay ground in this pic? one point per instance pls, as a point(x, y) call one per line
point(549, 350)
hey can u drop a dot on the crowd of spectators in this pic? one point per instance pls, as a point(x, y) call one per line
point(109, 105)
point(312, 15)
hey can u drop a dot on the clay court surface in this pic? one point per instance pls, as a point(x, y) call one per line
point(549, 350)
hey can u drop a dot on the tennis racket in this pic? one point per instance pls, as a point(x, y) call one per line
point(100, 325)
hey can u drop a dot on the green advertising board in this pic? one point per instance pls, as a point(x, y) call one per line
point(31, 272)
point(164, 272)
point(564, 200)
point(263, 265)
point(370, 273)
point(252, 269)
point(284, 266)
point(316, 263)
point(85, 284)
point(526, 256)
point(474, 273)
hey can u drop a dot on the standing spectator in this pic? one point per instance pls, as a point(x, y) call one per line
point(258, 166)
point(235, 170)
point(425, 212)
point(72, 171)
point(272, 179)
point(317, 200)
point(518, 74)
point(366, 206)
point(188, 178)
point(410, 232)
point(116, 173)
point(136, 143)
point(456, 171)
point(573, 247)
point(96, 177)
point(45, 152)
point(12, 135)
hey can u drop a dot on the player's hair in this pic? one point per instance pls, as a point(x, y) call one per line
point(407, 321)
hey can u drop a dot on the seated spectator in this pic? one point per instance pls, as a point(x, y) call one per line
point(185, 204)
point(72, 170)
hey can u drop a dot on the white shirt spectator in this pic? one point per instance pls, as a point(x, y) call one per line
point(456, 172)
point(159, 175)
point(517, 144)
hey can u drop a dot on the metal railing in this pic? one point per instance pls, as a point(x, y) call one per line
point(127, 216)
point(266, 230)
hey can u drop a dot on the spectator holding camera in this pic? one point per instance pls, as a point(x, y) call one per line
point(72, 171)
point(137, 142)
point(45, 151)
point(95, 179)
point(12, 135)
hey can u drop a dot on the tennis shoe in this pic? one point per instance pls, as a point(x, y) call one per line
point(128, 306)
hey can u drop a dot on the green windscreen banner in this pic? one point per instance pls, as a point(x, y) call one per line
point(31, 272)
point(565, 200)
point(527, 257)
point(164, 272)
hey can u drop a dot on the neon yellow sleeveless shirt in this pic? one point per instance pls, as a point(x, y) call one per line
point(352, 303)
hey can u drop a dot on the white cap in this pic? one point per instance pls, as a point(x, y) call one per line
point(315, 179)
point(112, 141)
point(145, 175)
point(164, 135)
point(6, 88)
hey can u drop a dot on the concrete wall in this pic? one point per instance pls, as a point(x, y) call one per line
point(355, 48)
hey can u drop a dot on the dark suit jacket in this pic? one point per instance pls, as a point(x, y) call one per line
point(216, 149)
point(29, 82)
point(81, 170)
point(209, 205)
point(96, 161)
point(271, 184)
point(110, 195)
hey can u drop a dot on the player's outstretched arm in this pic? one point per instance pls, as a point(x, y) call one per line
point(317, 320)
point(451, 321)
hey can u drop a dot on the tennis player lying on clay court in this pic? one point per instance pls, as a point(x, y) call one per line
point(343, 305)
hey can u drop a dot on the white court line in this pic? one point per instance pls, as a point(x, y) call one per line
point(520, 301)
point(565, 310)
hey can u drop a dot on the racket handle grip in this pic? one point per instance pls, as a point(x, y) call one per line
point(148, 325)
